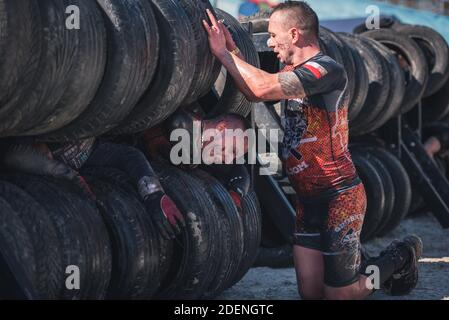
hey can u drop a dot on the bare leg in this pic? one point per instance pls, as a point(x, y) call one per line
point(309, 266)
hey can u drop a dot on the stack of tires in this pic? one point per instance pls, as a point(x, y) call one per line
point(71, 70)
point(77, 69)
point(76, 245)
point(56, 235)
point(388, 189)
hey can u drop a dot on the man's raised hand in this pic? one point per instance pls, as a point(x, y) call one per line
point(217, 38)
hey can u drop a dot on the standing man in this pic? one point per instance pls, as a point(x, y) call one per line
point(331, 197)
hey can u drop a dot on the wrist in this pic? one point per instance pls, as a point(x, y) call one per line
point(221, 54)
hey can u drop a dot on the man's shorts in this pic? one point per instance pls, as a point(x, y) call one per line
point(332, 225)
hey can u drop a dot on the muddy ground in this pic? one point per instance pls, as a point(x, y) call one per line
point(280, 284)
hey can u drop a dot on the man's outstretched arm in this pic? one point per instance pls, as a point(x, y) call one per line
point(262, 86)
point(256, 84)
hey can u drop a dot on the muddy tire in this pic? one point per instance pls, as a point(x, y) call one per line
point(191, 270)
point(231, 227)
point(135, 249)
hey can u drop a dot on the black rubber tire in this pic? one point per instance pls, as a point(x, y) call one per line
point(416, 82)
point(436, 52)
point(436, 107)
point(131, 62)
point(371, 139)
point(80, 230)
point(33, 235)
point(174, 72)
point(389, 192)
point(278, 257)
point(379, 83)
point(120, 179)
point(343, 56)
point(330, 44)
point(20, 45)
point(51, 79)
point(84, 74)
point(375, 194)
point(360, 78)
point(232, 100)
point(135, 250)
point(206, 64)
point(194, 254)
point(385, 22)
point(402, 186)
point(231, 227)
point(252, 226)
point(350, 65)
point(17, 282)
point(396, 93)
point(388, 186)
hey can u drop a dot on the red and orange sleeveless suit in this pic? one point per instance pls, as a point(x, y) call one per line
point(331, 198)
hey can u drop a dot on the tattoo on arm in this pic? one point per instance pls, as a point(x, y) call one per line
point(290, 84)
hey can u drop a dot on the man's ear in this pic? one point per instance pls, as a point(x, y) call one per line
point(295, 34)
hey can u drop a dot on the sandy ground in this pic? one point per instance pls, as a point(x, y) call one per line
point(280, 284)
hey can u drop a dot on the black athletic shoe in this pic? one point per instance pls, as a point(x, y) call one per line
point(405, 279)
